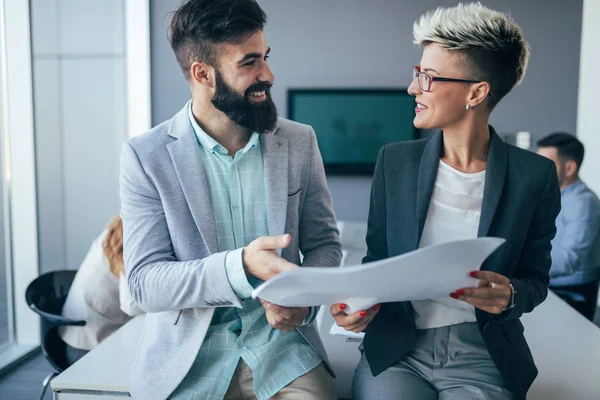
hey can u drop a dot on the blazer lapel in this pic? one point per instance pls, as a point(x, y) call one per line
point(426, 180)
point(495, 176)
point(275, 160)
point(187, 158)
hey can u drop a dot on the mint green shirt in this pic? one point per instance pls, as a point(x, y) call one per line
point(238, 202)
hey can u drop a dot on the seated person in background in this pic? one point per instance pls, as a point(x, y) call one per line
point(99, 294)
point(576, 247)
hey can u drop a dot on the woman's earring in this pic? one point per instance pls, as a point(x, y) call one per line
point(467, 107)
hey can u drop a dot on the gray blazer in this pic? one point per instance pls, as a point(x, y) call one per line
point(521, 200)
point(170, 249)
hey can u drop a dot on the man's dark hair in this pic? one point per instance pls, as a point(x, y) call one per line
point(568, 147)
point(199, 26)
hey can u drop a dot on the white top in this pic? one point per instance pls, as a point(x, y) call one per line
point(454, 214)
point(97, 297)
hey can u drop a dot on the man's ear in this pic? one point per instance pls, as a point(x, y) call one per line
point(570, 168)
point(202, 74)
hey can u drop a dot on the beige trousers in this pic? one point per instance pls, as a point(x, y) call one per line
point(314, 385)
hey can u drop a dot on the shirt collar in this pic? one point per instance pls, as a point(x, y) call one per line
point(571, 187)
point(209, 143)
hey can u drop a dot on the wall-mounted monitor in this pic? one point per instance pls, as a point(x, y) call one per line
point(353, 124)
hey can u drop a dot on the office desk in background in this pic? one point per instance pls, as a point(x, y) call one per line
point(565, 345)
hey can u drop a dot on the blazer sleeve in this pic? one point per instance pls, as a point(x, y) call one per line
point(157, 281)
point(376, 229)
point(126, 303)
point(318, 234)
point(532, 274)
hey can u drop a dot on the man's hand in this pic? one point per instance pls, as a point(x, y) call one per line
point(356, 322)
point(260, 257)
point(284, 318)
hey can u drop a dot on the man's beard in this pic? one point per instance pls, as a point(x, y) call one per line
point(258, 117)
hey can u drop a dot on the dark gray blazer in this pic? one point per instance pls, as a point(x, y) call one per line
point(520, 203)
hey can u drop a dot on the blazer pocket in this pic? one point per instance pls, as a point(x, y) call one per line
point(293, 208)
point(292, 222)
point(294, 196)
point(293, 202)
point(513, 329)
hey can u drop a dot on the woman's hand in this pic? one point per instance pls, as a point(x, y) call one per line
point(356, 322)
point(492, 294)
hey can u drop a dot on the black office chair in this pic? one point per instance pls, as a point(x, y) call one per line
point(583, 298)
point(46, 296)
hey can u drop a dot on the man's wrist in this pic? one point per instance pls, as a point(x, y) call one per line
point(236, 274)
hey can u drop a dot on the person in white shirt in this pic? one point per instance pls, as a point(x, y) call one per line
point(99, 294)
point(462, 183)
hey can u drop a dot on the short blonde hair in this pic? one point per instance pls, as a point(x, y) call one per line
point(492, 43)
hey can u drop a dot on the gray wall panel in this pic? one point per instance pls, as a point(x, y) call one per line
point(91, 27)
point(356, 43)
point(49, 163)
point(91, 128)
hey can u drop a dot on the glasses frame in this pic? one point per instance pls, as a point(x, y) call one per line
point(417, 73)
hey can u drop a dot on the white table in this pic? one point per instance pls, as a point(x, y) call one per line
point(566, 349)
point(103, 371)
point(565, 345)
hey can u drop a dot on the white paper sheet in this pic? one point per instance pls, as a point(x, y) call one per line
point(427, 273)
point(339, 331)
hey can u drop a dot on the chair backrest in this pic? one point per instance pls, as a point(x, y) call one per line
point(55, 349)
point(46, 296)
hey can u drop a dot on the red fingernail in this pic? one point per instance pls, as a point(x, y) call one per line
point(343, 306)
point(376, 307)
point(460, 292)
point(363, 313)
point(473, 274)
point(454, 295)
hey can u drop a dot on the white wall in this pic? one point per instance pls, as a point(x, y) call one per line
point(589, 87)
point(79, 69)
point(19, 167)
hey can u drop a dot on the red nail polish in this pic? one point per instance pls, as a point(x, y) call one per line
point(473, 274)
point(460, 292)
point(363, 313)
point(343, 306)
point(454, 295)
point(376, 307)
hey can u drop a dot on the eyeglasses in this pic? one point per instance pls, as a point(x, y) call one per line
point(424, 79)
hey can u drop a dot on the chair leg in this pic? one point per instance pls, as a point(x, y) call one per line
point(47, 383)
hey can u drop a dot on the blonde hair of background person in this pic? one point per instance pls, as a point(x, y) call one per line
point(99, 294)
point(113, 246)
point(462, 183)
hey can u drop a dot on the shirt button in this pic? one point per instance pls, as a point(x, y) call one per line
point(236, 207)
point(239, 345)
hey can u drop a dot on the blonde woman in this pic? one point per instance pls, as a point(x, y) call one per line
point(99, 294)
point(464, 182)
